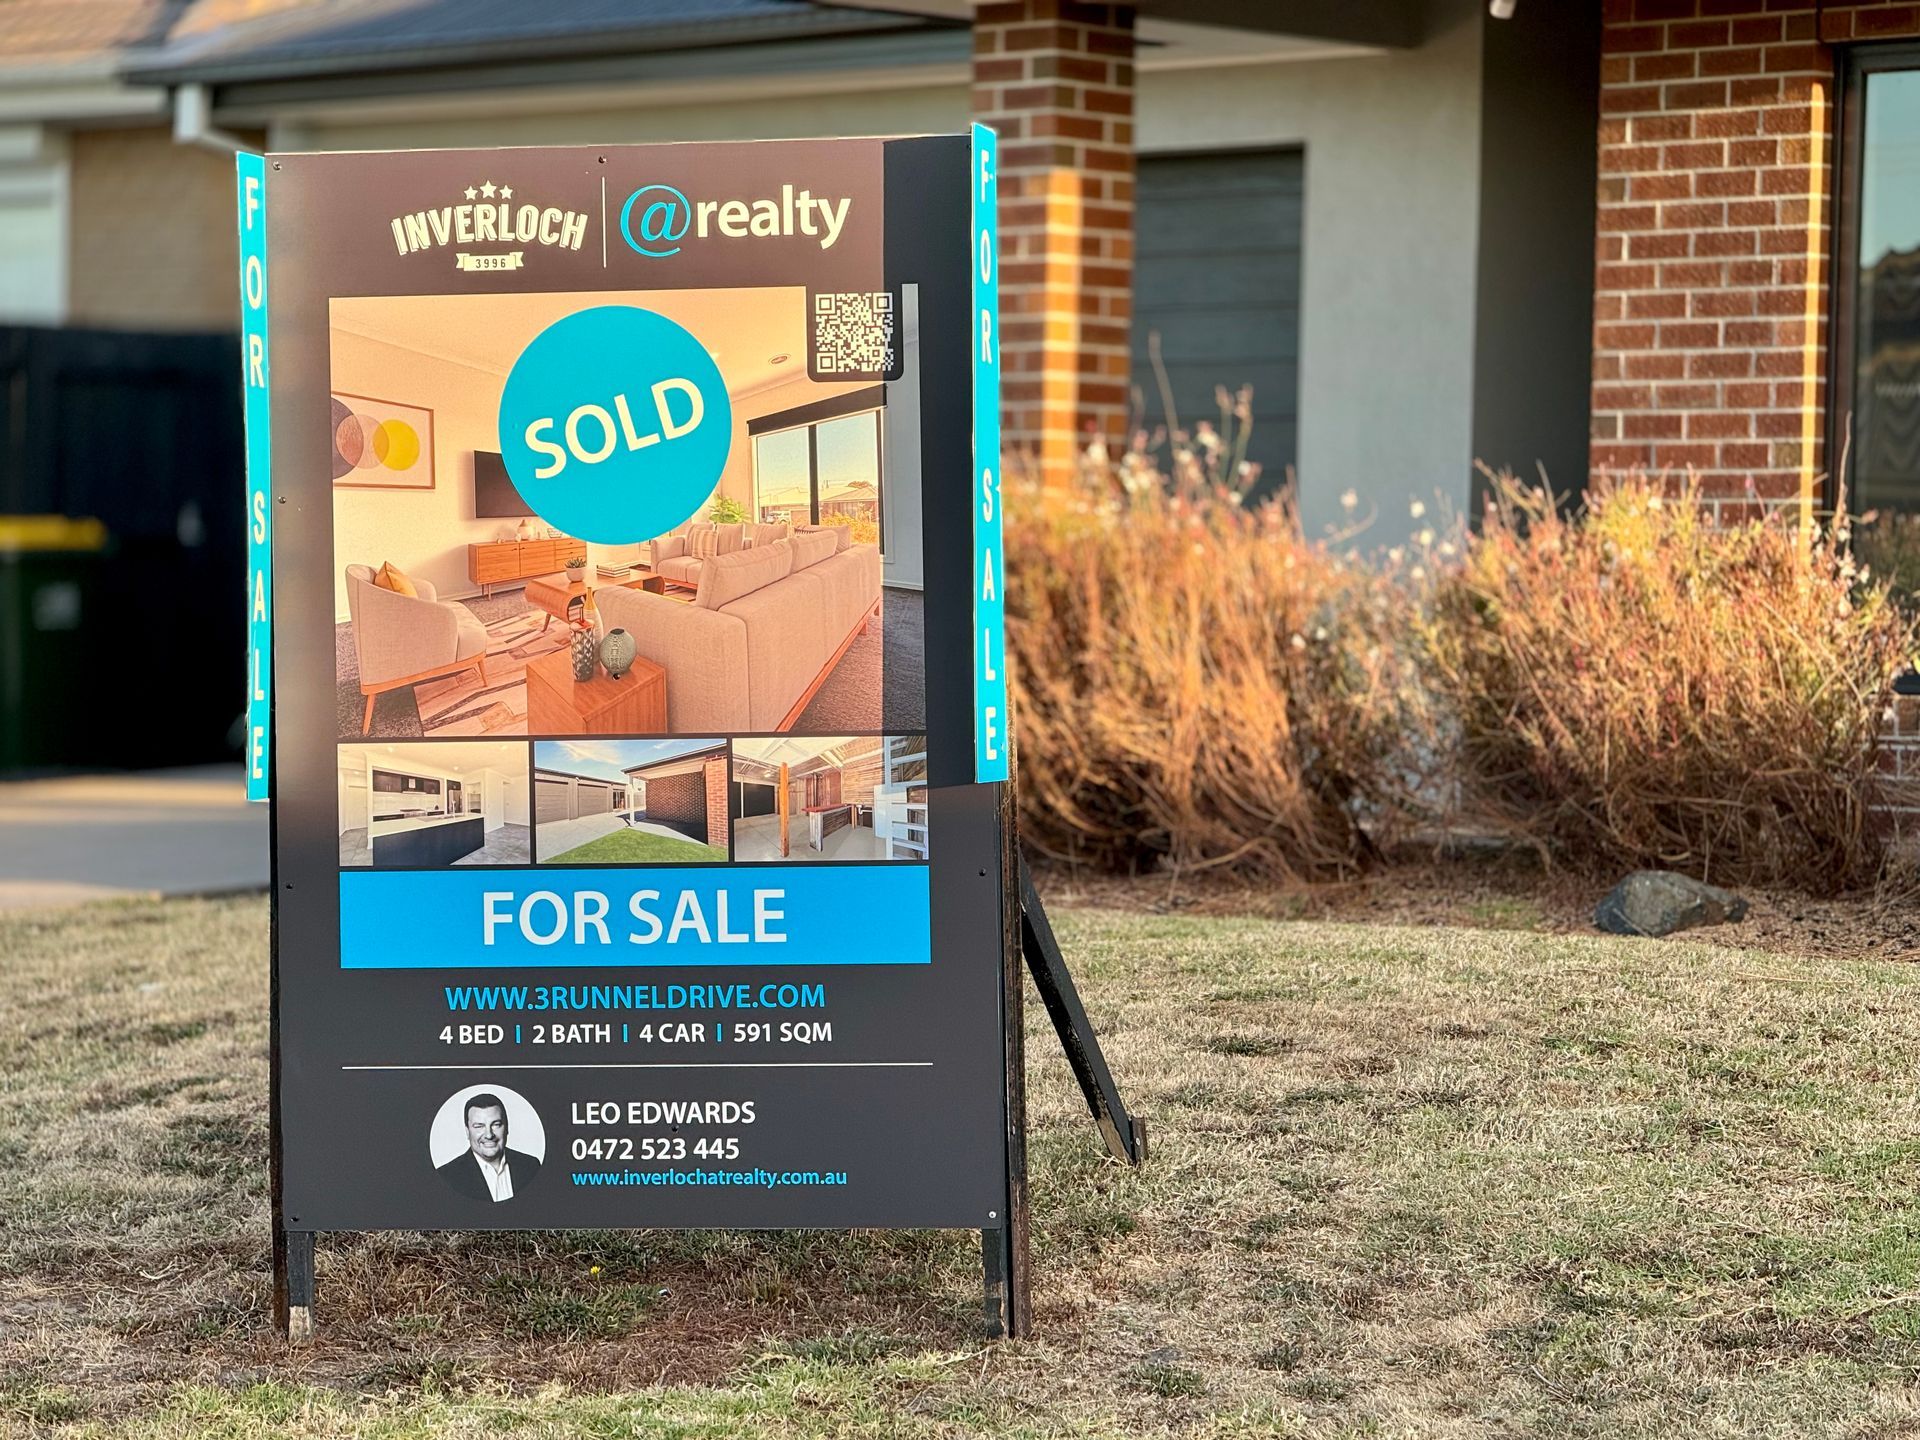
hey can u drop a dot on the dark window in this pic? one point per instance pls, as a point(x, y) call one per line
point(1877, 310)
point(1216, 285)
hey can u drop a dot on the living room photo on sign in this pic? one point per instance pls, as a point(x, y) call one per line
point(471, 601)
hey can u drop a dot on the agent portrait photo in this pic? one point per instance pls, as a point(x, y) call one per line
point(487, 1165)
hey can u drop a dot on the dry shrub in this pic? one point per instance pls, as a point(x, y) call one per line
point(1639, 686)
point(1195, 683)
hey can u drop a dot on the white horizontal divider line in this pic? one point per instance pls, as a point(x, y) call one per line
point(673, 1065)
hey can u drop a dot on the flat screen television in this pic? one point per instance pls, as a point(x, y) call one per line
point(493, 494)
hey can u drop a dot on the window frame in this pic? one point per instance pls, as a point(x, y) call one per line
point(809, 417)
point(1856, 64)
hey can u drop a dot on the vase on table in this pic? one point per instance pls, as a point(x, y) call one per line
point(586, 652)
point(616, 652)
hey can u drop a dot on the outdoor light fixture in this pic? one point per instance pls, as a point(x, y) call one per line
point(1501, 9)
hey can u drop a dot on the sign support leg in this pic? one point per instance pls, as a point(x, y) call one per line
point(1125, 1134)
point(1005, 1249)
point(292, 1249)
point(293, 1284)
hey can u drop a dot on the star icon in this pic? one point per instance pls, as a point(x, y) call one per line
point(506, 192)
point(487, 189)
point(471, 192)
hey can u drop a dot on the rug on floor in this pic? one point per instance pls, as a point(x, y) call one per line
point(459, 704)
point(464, 704)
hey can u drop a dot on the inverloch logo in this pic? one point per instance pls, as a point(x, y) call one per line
point(498, 217)
point(657, 219)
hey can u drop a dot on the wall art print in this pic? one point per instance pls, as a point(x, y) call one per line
point(381, 445)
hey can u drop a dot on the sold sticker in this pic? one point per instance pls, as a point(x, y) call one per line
point(615, 424)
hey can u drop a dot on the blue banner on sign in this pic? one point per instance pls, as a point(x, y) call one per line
point(989, 606)
point(697, 915)
point(251, 175)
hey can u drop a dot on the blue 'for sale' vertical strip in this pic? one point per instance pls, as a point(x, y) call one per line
point(989, 608)
point(252, 177)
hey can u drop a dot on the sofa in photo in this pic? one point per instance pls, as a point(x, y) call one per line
point(761, 634)
point(678, 558)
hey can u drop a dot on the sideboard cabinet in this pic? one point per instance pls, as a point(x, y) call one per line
point(505, 562)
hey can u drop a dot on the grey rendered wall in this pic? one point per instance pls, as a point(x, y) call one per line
point(1389, 263)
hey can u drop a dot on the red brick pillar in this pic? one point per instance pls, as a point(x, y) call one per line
point(1715, 237)
point(1055, 79)
point(714, 774)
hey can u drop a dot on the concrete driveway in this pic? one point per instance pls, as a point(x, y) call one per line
point(159, 832)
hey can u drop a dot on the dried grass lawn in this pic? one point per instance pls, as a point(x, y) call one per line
point(1408, 1180)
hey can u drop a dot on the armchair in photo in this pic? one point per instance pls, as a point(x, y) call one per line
point(401, 640)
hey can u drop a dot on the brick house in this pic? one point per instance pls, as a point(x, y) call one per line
point(685, 791)
point(1757, 278)
point(1566, 235)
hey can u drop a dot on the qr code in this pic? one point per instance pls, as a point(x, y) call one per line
point(853, 333)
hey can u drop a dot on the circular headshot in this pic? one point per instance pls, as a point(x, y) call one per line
point(487, 1143)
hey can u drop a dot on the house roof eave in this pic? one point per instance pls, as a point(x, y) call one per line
point(881, 60)
point(217, 60)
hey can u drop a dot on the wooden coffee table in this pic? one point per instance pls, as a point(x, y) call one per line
point(560, 598)
point(558, 704)
point(556, 595)
point(654, 583)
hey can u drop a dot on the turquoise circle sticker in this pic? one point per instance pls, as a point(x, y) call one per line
point(615, 424)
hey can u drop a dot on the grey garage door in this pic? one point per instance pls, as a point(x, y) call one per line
point(551, 801)
point(1217, 278)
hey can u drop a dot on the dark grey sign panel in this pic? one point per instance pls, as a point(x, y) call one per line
point(708, 930)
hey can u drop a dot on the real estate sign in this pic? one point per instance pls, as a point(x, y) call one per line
point(634, 664)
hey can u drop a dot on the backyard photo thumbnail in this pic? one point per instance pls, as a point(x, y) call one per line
point(630, 802)
point(833, 797)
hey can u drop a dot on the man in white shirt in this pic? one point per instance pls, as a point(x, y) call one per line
point(489, 1169)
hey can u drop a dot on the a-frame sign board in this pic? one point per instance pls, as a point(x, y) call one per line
point(625, 592)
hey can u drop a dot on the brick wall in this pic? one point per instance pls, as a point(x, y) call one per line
point(1717, 124)
point(1715, 224)
point(695, 803)
point(1714, 134)
point(152, 242)
point(714, 777)
point(1055, 79)
point(680, 801)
